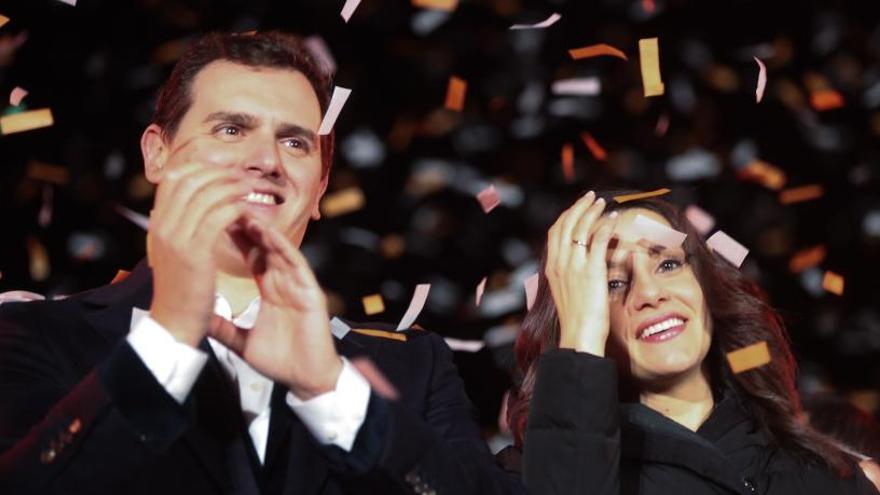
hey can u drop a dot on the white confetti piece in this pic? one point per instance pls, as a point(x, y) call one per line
point(339, 328)
point(44, 218)
point(349, 8)
point(488, 199)
point(584, 86)
point(20, 296)
point(728, 248)
point(480, 289)
point(464, 345)
point(655, 231)
point(541, 25)
point(415, 306)
point(134, 217)
point(700, 219)
point(340, 96)
point(531, 286)
point(17, 94)
point(69, 2)
point(762, 80)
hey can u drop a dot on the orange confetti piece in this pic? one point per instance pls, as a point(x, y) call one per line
point(596, 51)
point(826, 99)
point(833, 283)
point(47, 173)
point(373, 304)
point(447, 5)
point(800, 194)
point(455, 93)
point(595, 148)
point(26, 121)
point(649, 60)
point(568, 162)
point(3, 20)
point(343, 202)
point(805, 259)
point(392, 246)
point(632, 197)
point(39, 259)
point(765, 174)
point(120, 276)
point(749, 357)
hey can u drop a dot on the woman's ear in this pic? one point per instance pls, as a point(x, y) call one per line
point(154, 150)
point(316, 208)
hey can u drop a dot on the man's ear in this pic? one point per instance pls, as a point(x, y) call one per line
point(154, 149)
point(316, 208)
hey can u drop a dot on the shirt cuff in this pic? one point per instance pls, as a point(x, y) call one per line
point(175, 365)
point(335, 417)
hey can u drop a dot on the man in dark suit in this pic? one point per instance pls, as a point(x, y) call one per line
point(213, 368)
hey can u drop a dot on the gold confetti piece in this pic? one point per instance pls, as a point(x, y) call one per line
point(375, 378)
point(455, 93)
point(568, 162)
point(392, 246)
point(826, 99)
point(488, 198)
point(763, 173)
point(649, 59)
point(632, 197)
point(447, 5)
point(373, 304)
point(17, 94)
point(26, 121)
point(800, 194)
point(383, 334)
point(39, 259)
point(480, 289)
point(596, 51)
point(120, 276)
point(762, 80)
point(595, 148)
point(3, 20)
point(342, 202)
point(833, 283)
point(47, 173)
point(749, 357)
point(807, 258)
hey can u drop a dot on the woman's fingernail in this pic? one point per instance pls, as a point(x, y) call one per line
point(612, 215)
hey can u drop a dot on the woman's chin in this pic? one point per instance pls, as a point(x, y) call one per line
point(664, 369)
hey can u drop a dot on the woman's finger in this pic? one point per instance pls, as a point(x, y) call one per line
point(581, 232)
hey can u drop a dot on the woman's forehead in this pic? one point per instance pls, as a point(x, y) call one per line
point(627, 229)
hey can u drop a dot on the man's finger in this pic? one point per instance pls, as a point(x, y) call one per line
point(228, 334)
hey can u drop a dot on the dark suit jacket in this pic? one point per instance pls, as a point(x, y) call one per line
point(80, 413)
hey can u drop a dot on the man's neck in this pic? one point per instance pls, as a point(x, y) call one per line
point(238, 291)
point(687, 401)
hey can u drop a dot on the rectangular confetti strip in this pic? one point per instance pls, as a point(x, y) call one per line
point(762, 80)
point(623, 198)
point(728, 248)
point(481, 287)
point(596, 51)
point(337, 101)
point(700, 219)
point(749, 357)
point(582, 86)
point(342, 202)
point(801, 194)
point(807, 258)
point(595, 148)
point(455, 93)
point(488, 198)
point(531, 286)
point(348, 9)
point(655, 231)
point(568, 162)
point(373, 304)
point(69, 2)
point(826, 99)
point(649, 60)
point(134, 217)
point(26, 121)
point(554, 17)
point(415, 306)
point(763, 173)
point(447, 5)
point(464, 345)
point(833, 283)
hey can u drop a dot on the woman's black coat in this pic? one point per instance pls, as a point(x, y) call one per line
point(580, 440)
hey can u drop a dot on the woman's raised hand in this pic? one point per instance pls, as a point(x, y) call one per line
point(577, 274)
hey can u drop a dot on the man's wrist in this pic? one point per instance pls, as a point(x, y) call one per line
point(316, 387)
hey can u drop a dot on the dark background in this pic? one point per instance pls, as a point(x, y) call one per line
point(98, 65)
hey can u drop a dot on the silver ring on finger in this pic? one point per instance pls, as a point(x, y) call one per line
point(579, 242)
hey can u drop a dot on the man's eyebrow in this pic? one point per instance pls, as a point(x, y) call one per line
point(291, 130)
point(239, 118)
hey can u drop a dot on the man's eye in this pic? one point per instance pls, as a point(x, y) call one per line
point(296, 143)
point(228, 130)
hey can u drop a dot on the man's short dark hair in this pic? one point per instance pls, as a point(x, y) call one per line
point(271, 49)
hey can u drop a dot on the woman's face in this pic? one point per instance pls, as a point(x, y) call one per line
point(660, 324)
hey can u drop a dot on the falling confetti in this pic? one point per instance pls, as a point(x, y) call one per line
point(554, 17)
point(700, 219)
point(596, 51)
point(623, 198)
point(343, 202)
point(339, 328)
point(446, 5)
point(455, 93)
point(39, 259)
point(826, 99)
point(415, 306)
point(17, 94)
point(568, 162)
point(375, 378)
point(26, 121)
point(583, 86)
point(762, 80)
point(728, 248)
point(655, 231)
point(649, 60)
point(595, 148)
point(44, 218)
point(3, 20)
point(806, 259)
point(45, 172)
point(134, 217)
point(662, 125)
point(801, 194)
point(488, 198)
point(337, 100)
point(464, 345)
point(833, 283)
point(373, 304)
point(481, 287)
point(749, 357)
point(531, 286)
point(348, 9)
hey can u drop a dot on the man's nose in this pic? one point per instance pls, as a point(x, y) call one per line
point(264, 157)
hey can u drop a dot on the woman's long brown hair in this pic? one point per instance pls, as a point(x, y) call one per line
point(740, 316)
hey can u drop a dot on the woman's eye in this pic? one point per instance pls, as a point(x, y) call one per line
point(615, 285)
point(670, 264)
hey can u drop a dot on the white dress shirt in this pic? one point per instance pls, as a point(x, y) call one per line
point(333, 417)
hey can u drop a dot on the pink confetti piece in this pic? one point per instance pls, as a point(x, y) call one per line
point(17, 94)
point(20, 296)
point(762, 80)
point(481, 287)
point(318, 48)
point(337, 101)
point(44, 218)
point(662, 125)
point(583, 86)
point(488, 198)
point(700, 219)
point(374, 377)
point(415, 306)
point(655, 231)
point(728, 248)
point(464, 345)
point(134, 217)
point(541, 25)
point(531, 286)
point(69, 2)
point(348, 9)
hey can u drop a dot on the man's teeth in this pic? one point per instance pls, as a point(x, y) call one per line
point(659, 327)
point(260, 198)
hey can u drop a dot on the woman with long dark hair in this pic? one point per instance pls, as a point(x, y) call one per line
point(626, 386)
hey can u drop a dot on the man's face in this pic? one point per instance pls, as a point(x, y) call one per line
point(263, 121)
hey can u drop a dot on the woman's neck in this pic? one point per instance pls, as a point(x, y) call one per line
point(238, 291)
point(687, 401)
